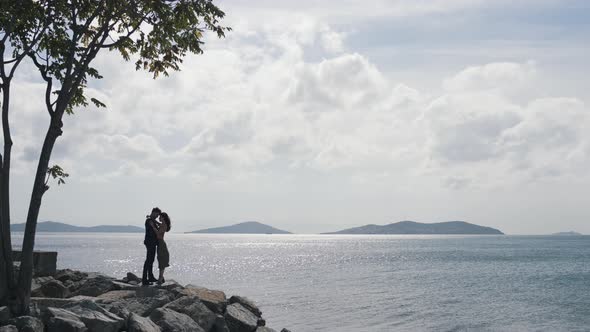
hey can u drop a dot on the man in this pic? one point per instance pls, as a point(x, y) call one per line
point(151, 244)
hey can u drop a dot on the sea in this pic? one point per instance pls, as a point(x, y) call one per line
point(368, 283)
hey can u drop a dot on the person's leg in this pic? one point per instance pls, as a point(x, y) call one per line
point(149, 263)
point(161, 277)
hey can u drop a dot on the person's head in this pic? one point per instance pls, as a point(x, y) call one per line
point(165, 219)
point(155, 213)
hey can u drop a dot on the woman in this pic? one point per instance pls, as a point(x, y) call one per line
point(163, 254)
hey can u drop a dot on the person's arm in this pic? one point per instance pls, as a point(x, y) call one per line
point(151, 222)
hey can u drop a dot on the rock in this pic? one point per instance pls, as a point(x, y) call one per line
point(285, 330)
point(124, 286)
point(96, 286)
point(147, 299)
point(246, 303)
point(240, 319)
point(133, 277)
point(170, 285)
point(213, 299)
point(171, 321)
point(46, 302)
point(96, 318)
point(70, 275)
point(8, 328)
point(27, 324)
point(260, 322)
point(53, 288)
point(133, 282)
point(36, 284)
point(125, 279)
point(116, 295)
point(137, 323)
point(61, 320)
point(220, 324)
point(5, 314)
point(264, 329)
point(195, 309)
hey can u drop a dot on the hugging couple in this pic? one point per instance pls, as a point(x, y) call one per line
point(156, 225)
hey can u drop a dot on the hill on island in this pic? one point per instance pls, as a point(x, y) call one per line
point(58, 227)
point(567, 234)
point(412, 227)
point(248, 227)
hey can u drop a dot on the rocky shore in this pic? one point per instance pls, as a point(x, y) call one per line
point(74, 301)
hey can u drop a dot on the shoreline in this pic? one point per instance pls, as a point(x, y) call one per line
point(70, 300)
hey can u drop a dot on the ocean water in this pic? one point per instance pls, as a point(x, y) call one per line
point(369, 283)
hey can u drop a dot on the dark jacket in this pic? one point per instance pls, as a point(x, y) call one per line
point(150, 235)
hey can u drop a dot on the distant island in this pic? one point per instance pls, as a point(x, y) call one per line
point(248, 227)
point(567, 234)
point(412, 227)
point(58, 227)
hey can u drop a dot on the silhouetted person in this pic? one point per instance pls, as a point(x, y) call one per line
point(163, 254)
point(151, 245)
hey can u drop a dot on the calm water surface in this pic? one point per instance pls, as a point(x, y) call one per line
point(369, 283)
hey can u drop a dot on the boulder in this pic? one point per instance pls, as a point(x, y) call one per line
point(8, 328)
point(246, 303)
point(133, 277)
point(137, 323)
point(213, 299)
point(116, 295)
point(146, 300)
point(70, 275)
point(52, 288)
point(96, 286)
point(5, 314)
point(46, 302)
point(124, 286)
point(240, 319)
point(264, 329)
point(195, 309)
point(220, 324)
point(27, 324)
point(96, 318)
point(285, 330)
point(172, 321)
point(61, 320)
point(170, 285)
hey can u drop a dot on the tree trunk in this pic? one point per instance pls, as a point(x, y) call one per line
point(6, 269)
point(39, 188)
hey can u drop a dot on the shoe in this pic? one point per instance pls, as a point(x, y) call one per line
point(153, 279)
point(146, 283)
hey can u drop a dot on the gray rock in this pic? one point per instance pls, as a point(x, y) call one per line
point(5, 314)
point(96, 286)
point(285, 330)
point(61, 320)
point(264, 329)
point(8, 328)
point(53, 288)
point(46, 302)
point(137, 323)
point(172, 321)
point(70, 275)
point(96, 318)
point(27, 324)
point(124, 286)
point(246, 303)
point(240, 319)
point(195, 309)
point(116, 295)
point(213, 299)
point(133, 277)
point(220, 324)
point(133, 282)
point(147, 300)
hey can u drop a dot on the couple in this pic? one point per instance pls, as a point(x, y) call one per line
point(154, 242)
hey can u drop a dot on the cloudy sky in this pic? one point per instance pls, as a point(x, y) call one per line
point(314, 116)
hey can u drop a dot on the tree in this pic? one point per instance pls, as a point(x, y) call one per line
point(156, 33)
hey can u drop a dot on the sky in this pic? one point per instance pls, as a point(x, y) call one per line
point(314, 116)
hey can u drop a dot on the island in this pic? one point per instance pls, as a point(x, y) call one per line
point(58, 227)
point(248, 227)
point(567, 234)
point(412, 227)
